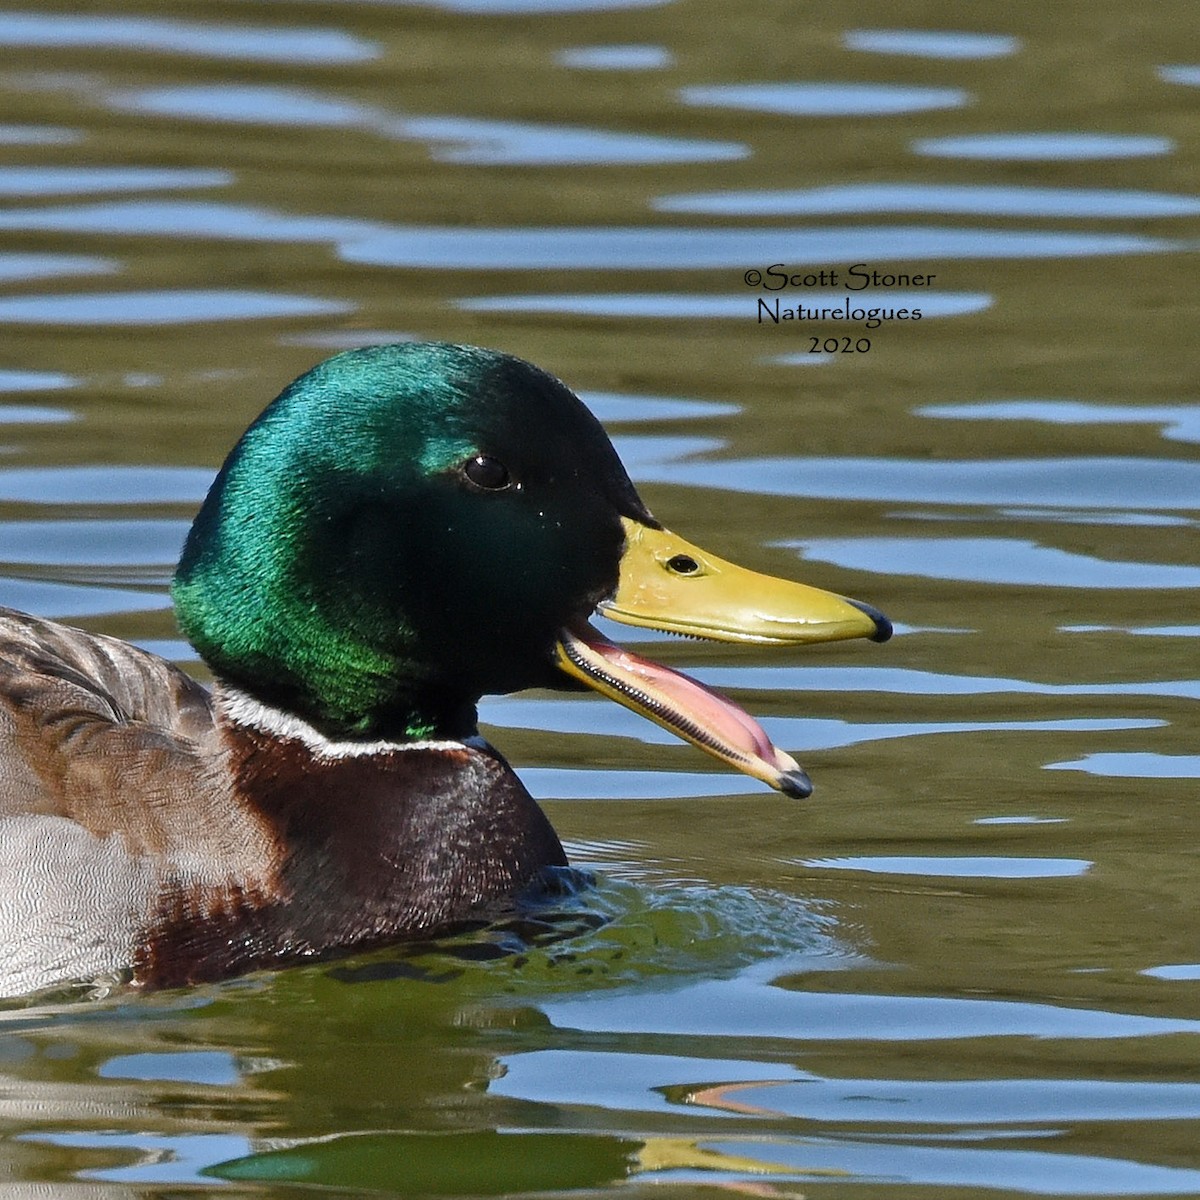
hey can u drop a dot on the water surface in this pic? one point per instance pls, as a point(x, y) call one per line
point(968, 964)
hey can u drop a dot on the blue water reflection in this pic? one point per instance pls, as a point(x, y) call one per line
point(1048, 1172)
point(977, 199)
point(931, 43)
point(1189, 76)
point(956, 867)
point(181, 307)
point(754, 1007)
point(616, 58)
point(1179, 971)
point(742, 306)
point(1179, 422)
point(71, 600)
point(37, 135)
point(720, 1087)
point(81, 180)
point(619, 408)
point(140, 542)
point(51, 266)
point(1046, 147)
point(994, 560)
point(451, 138)
point(273, 43)
point(105, 485)
point(801, 734)
point(30, 414)
point(1134, 765)
point(217, 1068)
point(1093, 482)
point(162, 1159)
point(583, 247)
point(908, 682)
point(825, 99)
point(36, 381)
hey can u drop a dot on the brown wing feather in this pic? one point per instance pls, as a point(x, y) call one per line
point(97, 730)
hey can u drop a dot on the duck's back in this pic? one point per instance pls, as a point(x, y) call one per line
point(143, 833)
point(98, 743)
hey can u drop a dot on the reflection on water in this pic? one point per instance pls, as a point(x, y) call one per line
point(682, 306)
point(928, 43)
point(616, 58)
point(1189, 76)
point(996, 560)
point(36, 135)
point(48, 266)
point(646, 248)
point(969, 199)
point(1049, 147)
point(451, 138)
point(959, 868)
point(967, 962)
point(160, 308)
point(1179, 422)
point(206, 39)
point(825, 99)
point(76, 181)
point(1135, 765)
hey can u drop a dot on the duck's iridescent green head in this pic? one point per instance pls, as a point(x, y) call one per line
point(404, 529)
point(409, 527)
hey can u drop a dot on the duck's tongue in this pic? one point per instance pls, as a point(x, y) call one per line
point(687, 708)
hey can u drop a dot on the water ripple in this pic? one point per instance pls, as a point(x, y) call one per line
point(825, 99)
point(970, 199)
point(751, 1008)
point(994, 560)
point(182, 307)
point(619, 408)
point(931, 43)
point(616, 58)
point(215, 1068)
point(1180, 422)
point(1187, 75)
point(140, 542)
point(743, 306)
point(1134, 765)
point(37, 135)
point(1046, 147)
point(36, 381)
point(447, 247)
point(52, 266)
point(272, 43)
point(71, 600)
point(1076, 483)
point(74, 181)
point(961, 867)
point(718, 1087)
point(909, 682)
point(455, 139)
point(30, 414)
point(671, 248)
point(802, 734)
point(105, 485)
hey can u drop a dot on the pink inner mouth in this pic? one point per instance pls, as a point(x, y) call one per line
point(685, 706)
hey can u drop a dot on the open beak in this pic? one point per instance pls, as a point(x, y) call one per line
point(667, 583)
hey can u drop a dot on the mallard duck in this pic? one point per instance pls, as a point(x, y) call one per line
point(405, 529)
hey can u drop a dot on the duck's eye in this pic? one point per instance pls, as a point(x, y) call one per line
point(683, 564)
point(487, 473)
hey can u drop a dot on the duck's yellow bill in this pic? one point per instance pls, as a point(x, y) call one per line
point(667, 583)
